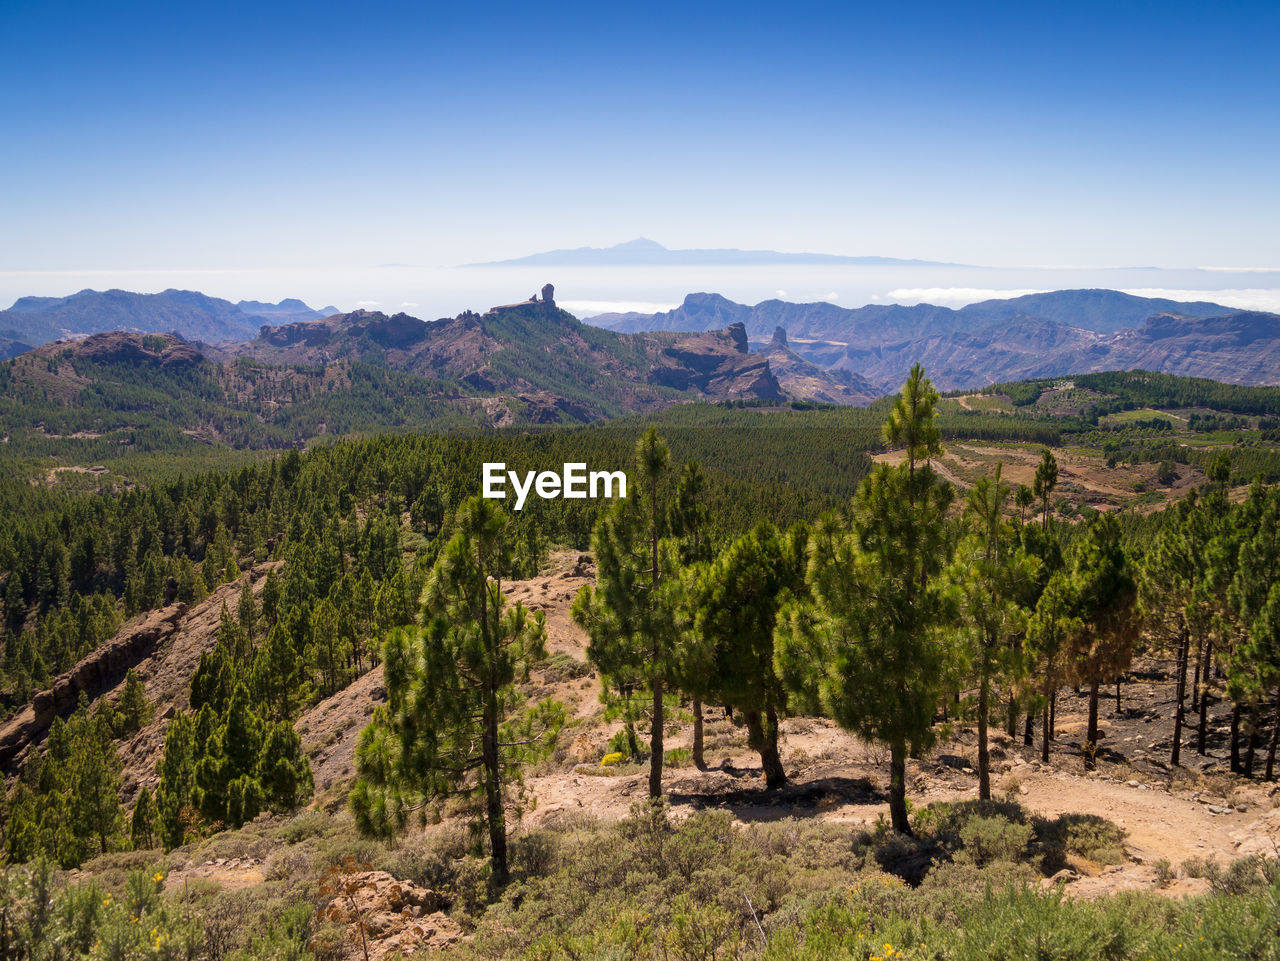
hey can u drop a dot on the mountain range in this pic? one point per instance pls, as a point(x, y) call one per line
point(523, 364)
point(276, 374)
point(1105, 311)
point(32, 321)
point(643, 252)
point(560, 367)
point(1037, 335)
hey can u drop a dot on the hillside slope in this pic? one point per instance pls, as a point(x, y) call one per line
point(536, 351)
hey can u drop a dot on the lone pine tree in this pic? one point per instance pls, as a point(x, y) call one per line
point(867, 648)
point(628, 615)
point(990, 576)
point(455, 724)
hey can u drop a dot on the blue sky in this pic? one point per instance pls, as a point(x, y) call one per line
point(185, 136)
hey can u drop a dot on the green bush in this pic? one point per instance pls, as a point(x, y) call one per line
point(984, 840)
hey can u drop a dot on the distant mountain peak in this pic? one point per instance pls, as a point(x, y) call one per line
point(645, 252)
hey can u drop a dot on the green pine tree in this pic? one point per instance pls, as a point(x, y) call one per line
point(627, 614)
point(867, 649)
point(454, 724)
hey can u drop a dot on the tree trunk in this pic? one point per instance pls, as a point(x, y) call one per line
point(1184, 646)
point(1251, 740)
point(774, 775)
point(1053, 715)
point(1195, 683)
point(1275, 741)
point(1118, 708)
point(493, 792)
point(1091, 739)
point(655, 734)
point(898, 788)
point(1235, 739)
point(655, 742)
point(984, 755)
point(699, 761)
point(762, 737)
point(1029, 730)
point(1202, 729)
point(1012, 726)
point(1044, 735)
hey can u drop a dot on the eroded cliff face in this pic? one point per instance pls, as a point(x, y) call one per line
point(99, 672)
point(164, 647)
point(717, 365)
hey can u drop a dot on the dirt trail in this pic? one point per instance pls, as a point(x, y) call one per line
point(1159, 824)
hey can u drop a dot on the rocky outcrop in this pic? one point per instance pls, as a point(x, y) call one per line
point(716, 365)
point(167, 351)
point(308, 333)
point(388, 916)
point(548, 300)
point(397, 332)
point(93, 676)
point(805, 380)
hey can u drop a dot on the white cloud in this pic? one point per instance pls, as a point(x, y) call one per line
point(590, 308)
point(831, 298)
point(952, 296)
point(1245, 298)
point(782, 294)
point(367, 303)
point(408, 303)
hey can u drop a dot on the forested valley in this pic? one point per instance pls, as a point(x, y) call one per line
point(921, 680)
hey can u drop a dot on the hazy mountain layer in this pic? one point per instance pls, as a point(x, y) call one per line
point(190, 314)
point(1106, 311)
point(1039, 335)
point(643, 252)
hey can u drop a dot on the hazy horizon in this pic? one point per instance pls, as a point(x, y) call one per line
point(586, 291)
point(289, 141)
